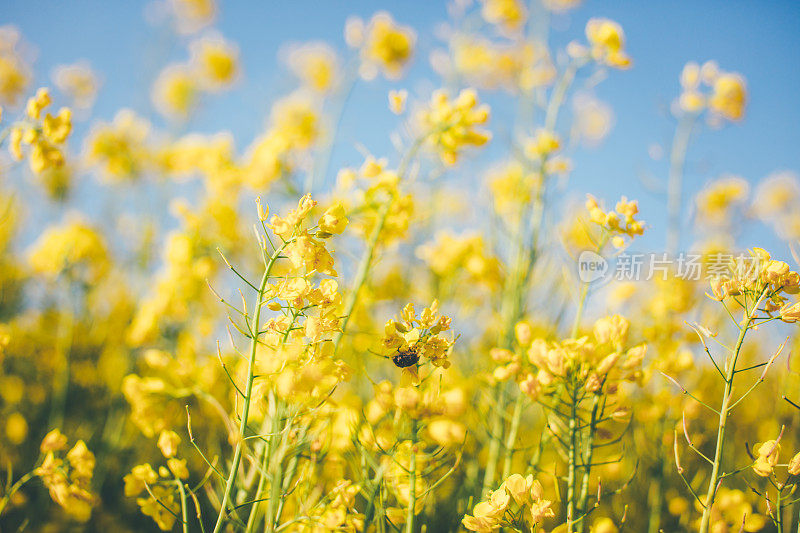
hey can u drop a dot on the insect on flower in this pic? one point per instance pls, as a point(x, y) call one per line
point(405, 358)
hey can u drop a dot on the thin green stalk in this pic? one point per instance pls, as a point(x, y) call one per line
point(512, 435)
point(655, 502)
point(573, 448)
point(579, 312)
point(513, 296)
point(362, 272)
point(262, 481)
point(369, 514)
point(496, 428)
point(64, 341)
point(322, 162)
point(412, 475)
point(680, 145)
point(369, 253)
point(587, 462)
point(184, 515)
point(255, 512)
point(798, 520)
point(559, 93)
point(14, 488)
point(533, 464)
point(269, 446)
point(510, 312)
point(275, 483)
point(518, 289)
point(723, 419)
point(287, 479)
point(583, 294)
point(655, 498)
point(255, 326)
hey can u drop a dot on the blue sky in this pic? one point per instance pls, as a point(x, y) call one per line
point(761, 40)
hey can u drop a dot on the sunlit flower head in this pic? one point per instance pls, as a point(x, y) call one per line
point(15, 73)
point(387, 46)
point(42, 135)
point(297, 119)
point(607, 42)
point(315, 65)
point(119, 148)
point(510, 15)
point(397, 101)
point(518, 66)
point(175, 91)
point(74, 247)
point(777, 194)
point(193, 15)
point(216, 61)
point(593, 118)
point(717, 202)
point(450, 125)
point(729, 96)
point(78, 82)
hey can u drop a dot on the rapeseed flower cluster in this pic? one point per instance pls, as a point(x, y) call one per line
point(68, 476)
point(518, 504)
point(15, 73)
point(705, 86)
point(384, 46)
point(42, 135)
point(452, 124)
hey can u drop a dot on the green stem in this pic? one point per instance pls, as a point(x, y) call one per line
point(255, 512)
point(655, 499)
point(255, 326)
point(583, 293)
point(274, 411)
point(587, 462)
point(510, 312)
point(512, 435)
point(363, 271)
point(66, 332)
point(559, 93)
point(322, 162)
point(798, 520)
point(369, 514)
point(518, 286)
point(369, 253)
point(287, 479)
point(573, 448)
point(412, 475)
point(723, 420)
point(680, 145)
point(655, 502)
point(14, 488)
point(579, 312)
point(275, 483)
point(514, 293)
point(184, 516)
point(496, 428)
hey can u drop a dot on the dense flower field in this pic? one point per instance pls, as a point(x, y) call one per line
point(274, 344)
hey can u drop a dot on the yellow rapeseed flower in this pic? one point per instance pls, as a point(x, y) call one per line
point(216, 62)
point(387, 47)
point(175, 91)
point(607, 42)
point(316, 65)
point(449, 125)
